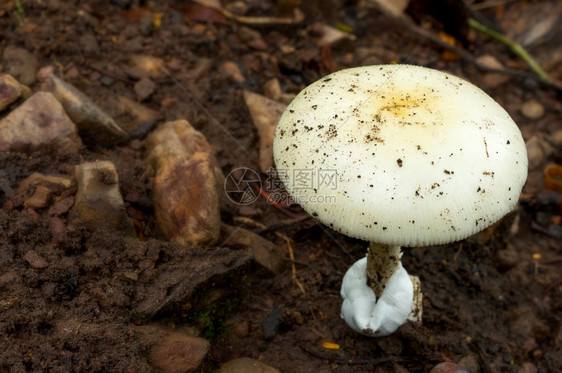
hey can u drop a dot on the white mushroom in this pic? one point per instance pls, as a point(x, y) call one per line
point(398, 155)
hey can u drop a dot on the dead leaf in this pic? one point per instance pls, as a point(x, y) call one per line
point(134, 15)
point(203, 13)
point(265, 115)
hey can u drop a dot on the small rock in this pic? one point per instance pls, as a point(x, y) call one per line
point(130, 276)
point(168, 102)
point(90, 119)
point(258, 44)
point(137, 119)
point(507, 259)
point(447, 367)
point(246, 365)
point(187, 186)
point(178, 353)
point(243, 329)
point(492, 79)
point(272, 89)
point(45, 72)
point(246, 34)
point(37, 189)
point(237, 7)
point(57, 227)
point(21, 64)
point(142, 66)
point(39, 198)
point(265, 115)
point(266, 253)
point(232, 71)
point(98, 201)
point(556, 137)
point(528, 368)
point(470, 364)
point(71, 73)
point(271, 324)
point(61, 207)
point(39, 123)
point(299, 319)
point(11, 90)
point(107, 81)
point(144, 88)
point(34, 260)
point(89, 43)
point(532, 109)
point(535, 153)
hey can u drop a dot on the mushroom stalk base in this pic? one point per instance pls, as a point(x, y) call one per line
point(372, 316)
point(382, 261)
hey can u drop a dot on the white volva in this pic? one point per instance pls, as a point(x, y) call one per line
point(361, 310)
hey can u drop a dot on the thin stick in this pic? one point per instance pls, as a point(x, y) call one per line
point(293, 267)
point(515, 47)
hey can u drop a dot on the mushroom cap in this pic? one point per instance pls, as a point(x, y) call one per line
point(400, 155)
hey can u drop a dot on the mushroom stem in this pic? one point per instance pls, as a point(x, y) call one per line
point(382, 262)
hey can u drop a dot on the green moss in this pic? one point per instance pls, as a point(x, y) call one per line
point(212, 320)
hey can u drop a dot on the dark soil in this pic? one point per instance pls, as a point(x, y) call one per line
point(493, 299)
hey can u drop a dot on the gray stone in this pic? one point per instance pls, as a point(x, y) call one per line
point(21, 64)
point(40, 123)
point(11, 90)
point(90, 119)
point(98, 201)
point(246, 365)
point(187, 185)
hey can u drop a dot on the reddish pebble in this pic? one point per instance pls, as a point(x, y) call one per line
point(62, 206)
point(258, 44)
point(168, 101)
point(32, 214)
point(34, 260)
point(57, 226)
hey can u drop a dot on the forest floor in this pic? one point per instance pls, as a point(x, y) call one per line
point(492, 303)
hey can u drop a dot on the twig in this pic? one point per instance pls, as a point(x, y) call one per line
point(272, 201)
point(515, 47)
point(550, 287)
point(293, 267)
